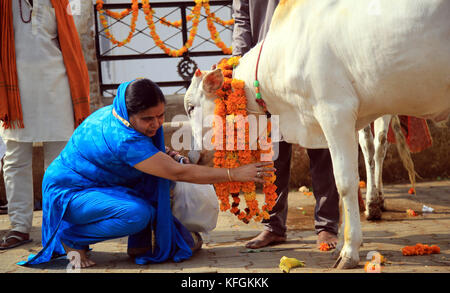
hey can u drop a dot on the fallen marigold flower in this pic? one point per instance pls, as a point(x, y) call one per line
point(372, 267)
point(381, 259)
point(411, 213)
point(324, 247)
point(421, 249)
point(411, 191)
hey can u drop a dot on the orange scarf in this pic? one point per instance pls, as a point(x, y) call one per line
point(77, 73)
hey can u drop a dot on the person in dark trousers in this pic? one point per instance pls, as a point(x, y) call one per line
point(252, 22)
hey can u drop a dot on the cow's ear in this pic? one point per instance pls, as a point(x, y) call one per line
point(213, 81)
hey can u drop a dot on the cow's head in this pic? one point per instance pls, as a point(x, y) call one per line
point(199, 101)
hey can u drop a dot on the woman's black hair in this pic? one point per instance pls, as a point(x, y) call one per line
point(142, 94)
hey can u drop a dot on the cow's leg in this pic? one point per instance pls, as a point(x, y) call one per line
point(381, 144)
point(339, 129)
point(368, 149)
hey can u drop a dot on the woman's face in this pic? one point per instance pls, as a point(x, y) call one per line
point(149, 121)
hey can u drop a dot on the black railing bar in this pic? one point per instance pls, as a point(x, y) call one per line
point(136, 33)
point(158, 56)
point(203, 16)
point(173, 10)
point(116, 46)
point(179, 91)
point(169, 45)
point(184, 24)
point(120, 20)
point(139, 31)
point(114, 86)
point(158, 20)
point(162, 4)
point(140, 53)
point(97, 51)
point(205, 40)
point(116, 21)
point(108, 27)
point(149, 36)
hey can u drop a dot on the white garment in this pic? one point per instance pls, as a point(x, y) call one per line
point(18, 176)
point(2, 148)
point(43, 83)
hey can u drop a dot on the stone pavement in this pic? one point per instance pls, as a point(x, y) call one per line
point(224, 250)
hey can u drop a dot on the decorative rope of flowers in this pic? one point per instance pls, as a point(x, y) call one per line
point(104, 22)
point(149, 13)
point(231, 115)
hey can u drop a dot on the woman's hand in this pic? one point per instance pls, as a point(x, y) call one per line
point(252, 172)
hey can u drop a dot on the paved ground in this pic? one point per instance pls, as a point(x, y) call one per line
point(224, 251)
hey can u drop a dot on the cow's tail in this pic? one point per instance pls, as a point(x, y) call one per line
point(403, 150)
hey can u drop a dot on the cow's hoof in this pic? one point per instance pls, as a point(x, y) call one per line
point(373, 212)
point(382, 202)
point(344, 263)
point(383, 205)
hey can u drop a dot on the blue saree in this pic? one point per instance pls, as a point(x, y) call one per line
point(100, 156)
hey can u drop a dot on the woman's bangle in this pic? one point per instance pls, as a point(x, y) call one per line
point(229, 175)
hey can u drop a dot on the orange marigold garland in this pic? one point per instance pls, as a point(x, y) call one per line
point(231, 142)
point(134, 8)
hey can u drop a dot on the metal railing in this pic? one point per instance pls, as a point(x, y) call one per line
point(176, 9)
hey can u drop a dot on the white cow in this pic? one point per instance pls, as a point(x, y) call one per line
point(328, 68)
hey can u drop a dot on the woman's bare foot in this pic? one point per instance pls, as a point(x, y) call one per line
point(265, 238)
point(328, 238)
point(84, 260)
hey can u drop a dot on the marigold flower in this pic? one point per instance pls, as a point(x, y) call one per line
point(411, 213)
point(324, 247)
point(231, 129)
point(420, 249)
point(233, 61)
point(371, 266)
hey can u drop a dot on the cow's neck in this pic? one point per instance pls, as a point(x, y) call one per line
point(246, 72)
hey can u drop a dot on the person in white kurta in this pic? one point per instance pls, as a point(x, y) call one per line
point(46, 105)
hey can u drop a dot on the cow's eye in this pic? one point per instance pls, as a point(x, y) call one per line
point(190, 109)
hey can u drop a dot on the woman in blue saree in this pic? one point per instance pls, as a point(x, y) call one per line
point(113, 180)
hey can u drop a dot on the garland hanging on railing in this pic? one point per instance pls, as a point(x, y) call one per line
point(149, 13)
point(231, 106)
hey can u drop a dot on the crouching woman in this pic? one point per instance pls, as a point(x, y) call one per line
point(113, 178)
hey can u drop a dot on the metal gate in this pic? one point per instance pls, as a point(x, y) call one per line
point(143, 50)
